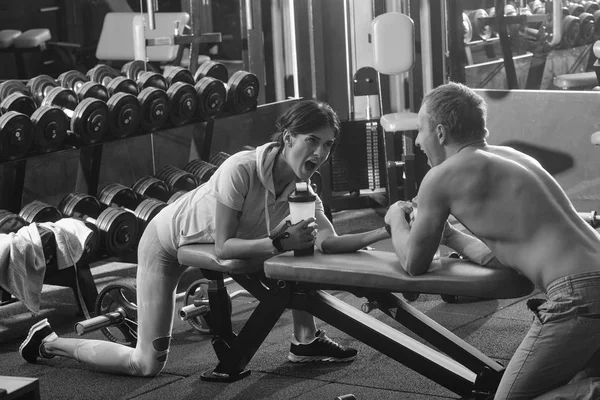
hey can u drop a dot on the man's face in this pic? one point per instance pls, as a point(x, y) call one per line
point(427, 139)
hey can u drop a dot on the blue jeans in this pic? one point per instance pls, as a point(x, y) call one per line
point(562, 342)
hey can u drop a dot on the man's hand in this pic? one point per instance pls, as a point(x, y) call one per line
point(400, 211)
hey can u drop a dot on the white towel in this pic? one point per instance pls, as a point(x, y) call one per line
point(71, 236)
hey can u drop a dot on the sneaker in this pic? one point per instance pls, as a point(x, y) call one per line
point(321, 348)
point(39, 333)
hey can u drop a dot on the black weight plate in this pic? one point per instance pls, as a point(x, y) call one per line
point(10, 222)
point(12, 86)
point(133, 69)
point(90, 120)
point(123, 114)
point(93, 90)
point(587, 29)
point(119, 229)
point(177, 179)
point(212, 69)
point(102, 74)
point(38, 211)
point(119, 296)
point(219, 158)
point(39, 87)
point(154, 104)
point(92, 244)
point(571, 30)
point(61, 98)
point(151, 79)
point(117, 195)
point(147, 210)
point(201, 169)
point(242, 92)
point(18, 102)
point(212, 95)
point(50, 126)
point(122, 84)
point(16, 135)
point(591, 7)
point(80, 205)
point(175, 74)
point(73, 80)
point(176, 196)
point(149, 186)
point(182, 100)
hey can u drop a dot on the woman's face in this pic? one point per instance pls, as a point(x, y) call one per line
point(308, 151)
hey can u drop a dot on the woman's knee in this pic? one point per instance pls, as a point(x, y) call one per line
point(151, 363)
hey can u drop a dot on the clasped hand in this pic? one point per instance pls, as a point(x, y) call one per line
point(298, 236)
point(401, 211)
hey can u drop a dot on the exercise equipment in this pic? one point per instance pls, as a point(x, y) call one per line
point(117, 227)
point(112, 80)
point(301, 283)
point(16, 135)
point(201, 169)
point(177, 179)
point(212, 96)
point(50, 124)
point(219, 158)
point(212, 69)
point(149, 186)
point(173, 74)
point(120, 196)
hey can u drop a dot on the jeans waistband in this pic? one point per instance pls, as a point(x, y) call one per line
point(567, 283)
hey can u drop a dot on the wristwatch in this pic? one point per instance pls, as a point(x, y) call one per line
point(277, 241)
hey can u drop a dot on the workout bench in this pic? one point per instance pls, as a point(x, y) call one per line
point(288, 282)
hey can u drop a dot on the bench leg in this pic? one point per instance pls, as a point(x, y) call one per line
point(81, 281)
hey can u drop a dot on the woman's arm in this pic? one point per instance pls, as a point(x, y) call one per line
point(466, 245)
point(328, 240)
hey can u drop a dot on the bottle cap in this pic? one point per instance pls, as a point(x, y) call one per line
point(302, 194)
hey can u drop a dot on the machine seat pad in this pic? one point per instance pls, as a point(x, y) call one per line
point(7, 37)
point(32, 38)
point(568, 81)
point(203, 256)
point(381, 271)
point(398, 122)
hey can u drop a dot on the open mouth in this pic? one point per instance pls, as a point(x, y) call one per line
point(310, 165)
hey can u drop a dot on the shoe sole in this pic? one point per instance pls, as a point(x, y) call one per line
point(306, 359)
point(38, 326)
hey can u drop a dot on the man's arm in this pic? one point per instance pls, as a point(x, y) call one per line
point(466, 245)
point(416, 246)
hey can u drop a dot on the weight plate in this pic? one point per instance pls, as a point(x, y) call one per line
point(122, 85)
point(151, 79)
point(212, 95)
point(177, 179)
point(16, 135)
point(102, 74)
point(149, 186)
point(90, 120)
point(80, 205)
point(39, 87)
point(587, 28)
point(201, 169)
point(175, 74)
point(176, 196)
point(10, 222)
point(467, 29)
point(571, 30)
point(117, 195)
point(182, 100)
point(591, 7)
point(481, 30)
point(72, 80)
point(38, 211)
point(133, 69)
point(12, 86)
point(219, 158)
point(50, 126)
point(147, 210)
point(123, 114)
point(242, 92)
point(212, 69)
point(197, 293)
point(93, 90)
point(18, 102)
point(154, 105)
point(575, 9)
point(61, 98)
point(119, 231)
point(119, 296)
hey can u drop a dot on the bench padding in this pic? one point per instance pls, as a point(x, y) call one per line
point(32, 38)
point(381, 271)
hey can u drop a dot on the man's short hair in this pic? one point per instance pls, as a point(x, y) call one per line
point(458, 108)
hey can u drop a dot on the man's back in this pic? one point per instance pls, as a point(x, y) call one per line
point(509, 201)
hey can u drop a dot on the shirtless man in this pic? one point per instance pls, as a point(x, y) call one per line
point(526, 221)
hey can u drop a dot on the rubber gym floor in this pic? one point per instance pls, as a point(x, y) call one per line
point(495, 327)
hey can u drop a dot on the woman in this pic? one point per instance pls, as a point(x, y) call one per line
point(243, 210)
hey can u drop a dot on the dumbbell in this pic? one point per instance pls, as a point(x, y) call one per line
point(177, 179)
point(50, 124)
point(118, 228)
point(242, 87)
point(16, 135)
point(201, 169)
point(149, 186)
point(88, 118)
point(123, 108)
point(121, 196)
point(178, 85)
point(587, 28)
point(481, 30)
point(154, 102)
point(39, 212)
